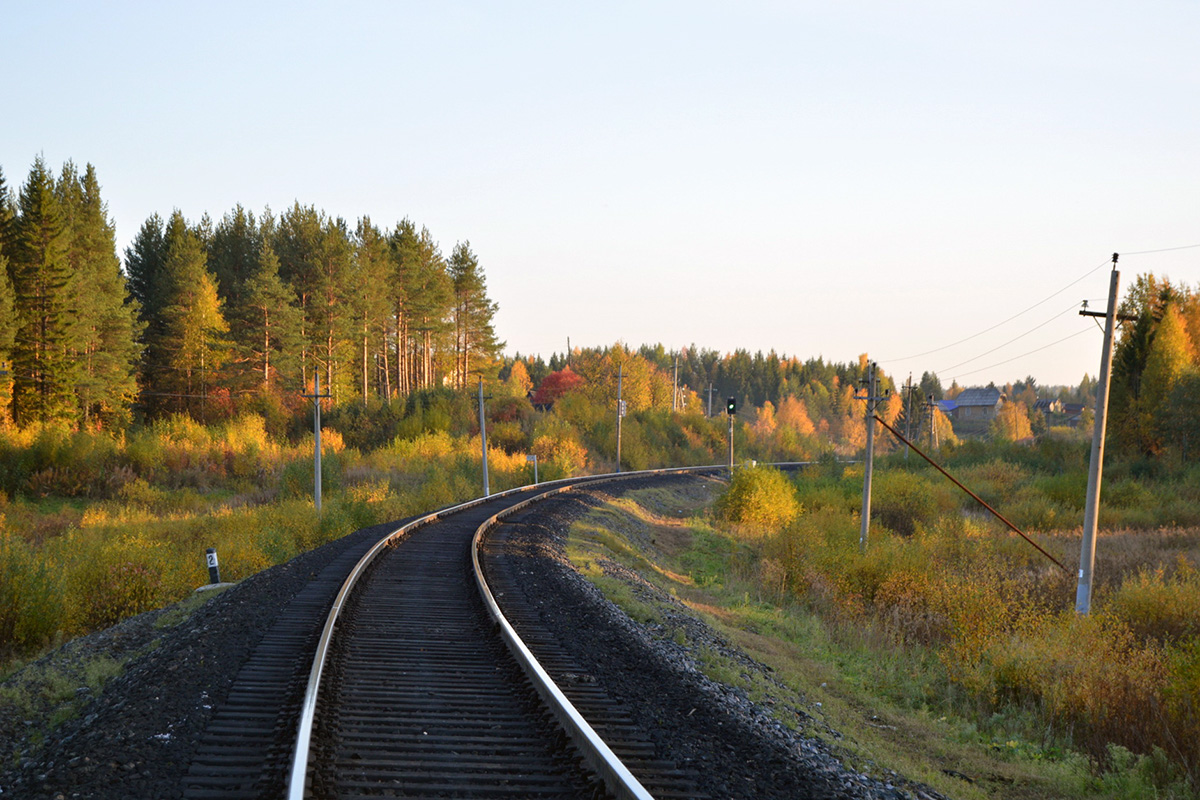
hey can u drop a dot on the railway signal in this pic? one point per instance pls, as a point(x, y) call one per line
point(730, 410)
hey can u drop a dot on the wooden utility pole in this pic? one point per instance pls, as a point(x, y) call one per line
point(908, 391)
point(1091, 511)
point(931, 405)
point(675, 386)
point(869, 462)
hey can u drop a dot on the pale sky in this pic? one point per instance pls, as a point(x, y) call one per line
point(818, 178)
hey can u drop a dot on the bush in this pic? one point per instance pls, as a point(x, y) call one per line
point(759, 497)
point(903, 500)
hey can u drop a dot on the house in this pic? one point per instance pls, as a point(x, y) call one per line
point(1074, 412)
point(975, 409)
point(1048, 407)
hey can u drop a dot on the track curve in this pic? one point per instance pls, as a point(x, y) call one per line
point(417, 693)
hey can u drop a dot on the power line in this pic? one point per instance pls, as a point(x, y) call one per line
point(1010, 341)
point(1087, 274)
point(1163, 250)
point(1014, 358)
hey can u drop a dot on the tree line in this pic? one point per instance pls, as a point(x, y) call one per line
point(202, 315)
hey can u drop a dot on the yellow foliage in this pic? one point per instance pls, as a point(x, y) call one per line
point(760, 497)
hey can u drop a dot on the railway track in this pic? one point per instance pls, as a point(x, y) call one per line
point(419, 686)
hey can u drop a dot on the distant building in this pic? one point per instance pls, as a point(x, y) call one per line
point(1074, 412)
point(1048, 407)
point(974, 410)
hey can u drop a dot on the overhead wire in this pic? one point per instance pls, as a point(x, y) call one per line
point(1161, 250)
point(1023, 355)
point(1004, 322)
point(1067, 310)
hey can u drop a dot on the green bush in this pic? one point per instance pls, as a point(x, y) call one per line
point(760, 497)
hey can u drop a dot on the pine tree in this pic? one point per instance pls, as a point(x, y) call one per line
point(474, 334)
point(104, 341)
point(43, 375)
point(297, 242)
point(272, 324)
point(369, 274)
point(428, 297)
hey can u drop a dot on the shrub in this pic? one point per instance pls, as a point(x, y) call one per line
point(759, 497)
point(1160, 607)
point(903, 500)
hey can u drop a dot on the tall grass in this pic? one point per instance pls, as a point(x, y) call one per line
point(95, 528)
point(1000, 616)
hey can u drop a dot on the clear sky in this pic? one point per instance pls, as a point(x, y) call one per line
point(818, 178)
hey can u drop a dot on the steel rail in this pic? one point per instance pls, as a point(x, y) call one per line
point(596, 753)
point(297, 777)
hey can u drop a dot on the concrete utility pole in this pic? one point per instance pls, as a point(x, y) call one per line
point(620, 413)
point(710, 391)
point(487, 492)
point(869, 463)
point(316, 397)
point(1091, 511)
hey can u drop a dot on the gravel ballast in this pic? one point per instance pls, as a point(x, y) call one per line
point(136, 737)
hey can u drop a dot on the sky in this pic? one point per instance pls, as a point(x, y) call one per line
point(815, 178)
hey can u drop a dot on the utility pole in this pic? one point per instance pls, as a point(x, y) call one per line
point(675, 386)
point(1091, 511)
point(931, 406)
point(316, 397)
point(483, 439)
point(620, 413)
point(869, 463)
point(710, 391)
point(908, 392)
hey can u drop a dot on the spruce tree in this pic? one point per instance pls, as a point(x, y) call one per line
point(43, 374)
point(8, 331)
point(233, 259)
point(192, 347)
point(8, 305)
point(104, 338)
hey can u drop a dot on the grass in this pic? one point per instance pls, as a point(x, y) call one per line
point(883, 702)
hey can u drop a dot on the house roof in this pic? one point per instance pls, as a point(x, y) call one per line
point(985, 396)
point(946, 406)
